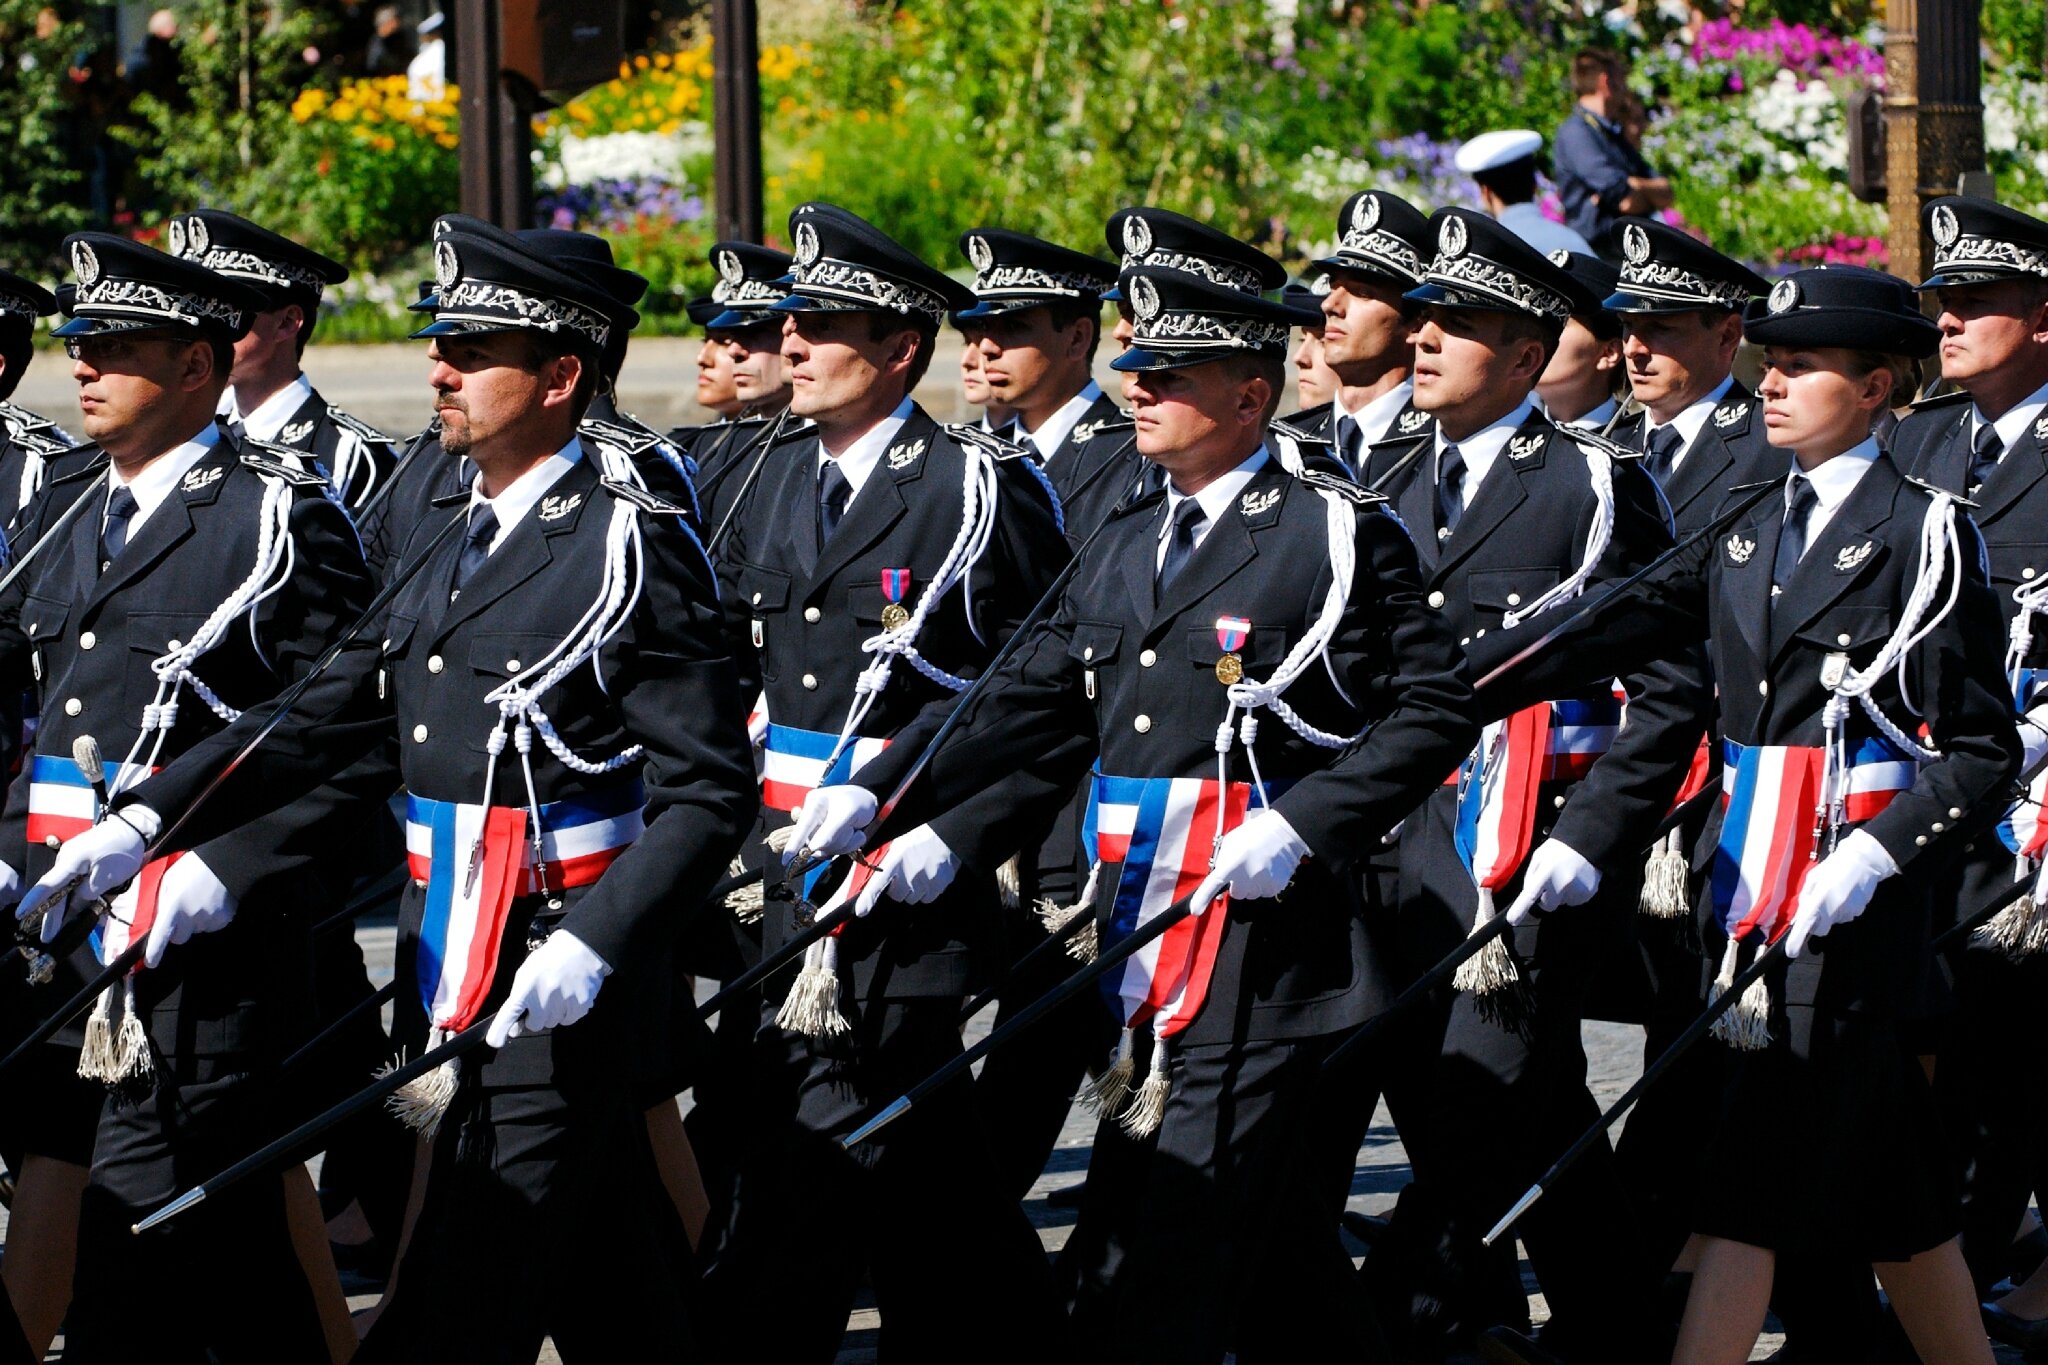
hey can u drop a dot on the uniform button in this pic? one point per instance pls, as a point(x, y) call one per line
point(1557, 802)
point(1147, 658)
point(1920, 840)
point(1436, 599)
point(419, 734)
point(1514, 599)
point(810, 682)
point(1466, 641)
point(757, 599)
point(2026, 573)
point(435, 663)
point(177, 644)
point(1482, 631)
point(387, 642)
point(73, 706)
point(1763, 687)
point(813, 615)
point(1955, 812)
point(1937, 827)
point(1143, 725)
point(52, 841)
point(86, 639)
point(1842, 639)
point(1088, 653)
point(513, 665)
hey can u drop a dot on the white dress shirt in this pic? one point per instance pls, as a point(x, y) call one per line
point(523, 492)
point(155, 480)
point(1596, 419)
point(1689, 421)
point(1481, 450)
point(1833, 481)
point(272, 413)
point(1375, 418)
point(1054, 429)
point(1214, 500)
point(858, 460)
point(2013, 425)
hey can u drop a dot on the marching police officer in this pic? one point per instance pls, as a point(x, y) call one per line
point(1584, 383)
point(28, 441)
point(751, 281)
point(269, 398)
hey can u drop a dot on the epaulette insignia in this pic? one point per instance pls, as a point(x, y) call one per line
point(1085, 432)
point(555, 506)
point(966, 435)
point(631, 440)
point(1522, 447)
point(641, 498)
point(1264, 500)
point(905, 454)
point(1412, 421)
point(1728, 414)
point(1593, 440)
point(295, 432)
point(280, 463)
point(204, 477)
point(1316, 478)
point(1933, 488)
point(1280, 426)
point(1940, 400)
point(355, 424)
point(1849, 556)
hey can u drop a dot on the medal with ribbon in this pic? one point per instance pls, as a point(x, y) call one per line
point(895, 587)
point(1232, 632)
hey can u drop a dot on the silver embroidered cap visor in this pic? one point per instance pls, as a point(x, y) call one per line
point(1654, 287)
point(833, 286)
point(471, 307)
point(1176, 340)
point(748, 302)
point(1980, 260)
point(1376, 253)
point(1470, 280)
point(118, 305)
point(1014, 288)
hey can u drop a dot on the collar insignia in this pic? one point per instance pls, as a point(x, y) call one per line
point(1739, 550)
point(902, 456)
point(296, 431)
point(203, 478)
point(1848, 557)
point(554, 506)
point(1265, 500)
point(1412, 421)
point(1522, 447)
point(1084, 432)
point(2041, 429)
point(1728, 414)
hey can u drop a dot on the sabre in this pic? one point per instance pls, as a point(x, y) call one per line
point(1056, 941)
point(57, 528)
point(412, 452)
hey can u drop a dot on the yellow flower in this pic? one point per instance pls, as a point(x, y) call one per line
point(662, 60)
point(384, 142)
point(447, 140)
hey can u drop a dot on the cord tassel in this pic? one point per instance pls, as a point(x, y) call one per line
point(131, 1059)
point(1148, 1109)
point(96, 1058)
point(1747, 1027)
point(1105, 1094)
point(749, 902)
point(812, 1006)
point(1666, 879)
point(421, 1102)
point(2019, 931)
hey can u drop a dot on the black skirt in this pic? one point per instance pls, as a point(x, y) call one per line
point(1829, 1141)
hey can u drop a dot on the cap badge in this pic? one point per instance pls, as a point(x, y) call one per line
point(729, 267)
point(1144, 298)
point(1365, 214)
point(554, 506)
point(442, 227)
point(1137, 236)
point(901, 456)
point(1739, 550)
point(1450, 238)
point(296, 431)
point(1728, 414)
point(1848, 557)
point(447, 269)
point(1635, 244)
point(1561, 258)
point(806, 244)
point(1522, 447)
point(1784, 296)
point(196, 240)
point(1320, 284)
point(1412, 421)
point(204, 478)
point(174, 236)
point(1946, 229)
point(84, 264)
point(979, 254)
point(1264, 500)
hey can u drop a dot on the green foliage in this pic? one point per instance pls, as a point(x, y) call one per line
point(39, 125)
point(2016, 33)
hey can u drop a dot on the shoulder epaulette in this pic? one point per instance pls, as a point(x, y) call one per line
point(641, 498)
point(280, 462)
point(1294, 433)
point(357, 425)
point(1316, 478)
point(1940, 400)
point(981, 440)
point(1753, 485)
point(1937, 490)
point(1137, 504)
point(1593, 440)
point(1084, 432)
point(89, 467)
point(632, 440)
point(802, 426)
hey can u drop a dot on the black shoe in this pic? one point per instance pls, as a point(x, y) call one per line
point(1363, 1226)
point(1506, 1346)
point(2029, 1334)
point(1066, 1196)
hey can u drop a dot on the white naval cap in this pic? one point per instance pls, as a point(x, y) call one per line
point(1495, 149)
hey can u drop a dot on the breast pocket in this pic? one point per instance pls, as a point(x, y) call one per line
point(766, 595)
point(1258, 656)
point(500, 657)
point(1094, 648)
point(1850, 628)
point(42, 621)
point(1494, 593)
point(152, 636)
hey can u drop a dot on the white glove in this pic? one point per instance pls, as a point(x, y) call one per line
point(1556, 876)
point(554, 987)
point(915, 870)
point(190, 900)
point(1838, 888)
point(1255, 861)
point(831, 821)
point(2034, 735)
point(90, 865)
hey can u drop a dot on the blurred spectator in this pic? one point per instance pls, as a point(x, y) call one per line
point(427, 76)
point(155, 67)
point(1600, 176)
point(1503, 164)
point(391, 47)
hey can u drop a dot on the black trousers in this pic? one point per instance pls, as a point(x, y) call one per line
point(220, 1283)
point(544, 1216)
point(1199, 1240)
point(917, 1209)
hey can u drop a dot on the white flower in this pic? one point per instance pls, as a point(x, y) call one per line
point(627, 156)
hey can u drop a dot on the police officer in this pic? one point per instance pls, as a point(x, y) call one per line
point(545, 618)
point(269, 398)
point(1985, 441)
point(28, 441)
point(1315, 383)
point(878, 563)
point(751, 280)
point(1584, 383)
point(202, 573)
point(1382, 245)
point(1241, 590)
point(1513, 516)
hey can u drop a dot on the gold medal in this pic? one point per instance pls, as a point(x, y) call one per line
point(894, 617)
point(1229, 669)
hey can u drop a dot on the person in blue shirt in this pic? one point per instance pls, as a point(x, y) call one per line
point(1600, 175)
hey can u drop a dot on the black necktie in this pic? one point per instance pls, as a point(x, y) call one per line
point(1792, 540)
point(1450, 490)
point(1985, 448)
point(476, 545)
point(833, 493)
point(1664, 445)
point(120, 507)
point(1187, 519)
point(1348, 442)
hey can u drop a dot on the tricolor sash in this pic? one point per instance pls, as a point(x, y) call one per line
point(61, 805)
point(793, 762)
point(1161, 831)
point(2024, 831)
point(476, 861)
point(1771, 815)
point(1498, 796)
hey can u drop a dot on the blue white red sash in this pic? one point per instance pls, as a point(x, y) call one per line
point(475, 862)
point(1161, 832)
point(1771, 807)
point(2024, 830)
point(793, 762)
point(61, 805)
point(1498, 796)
